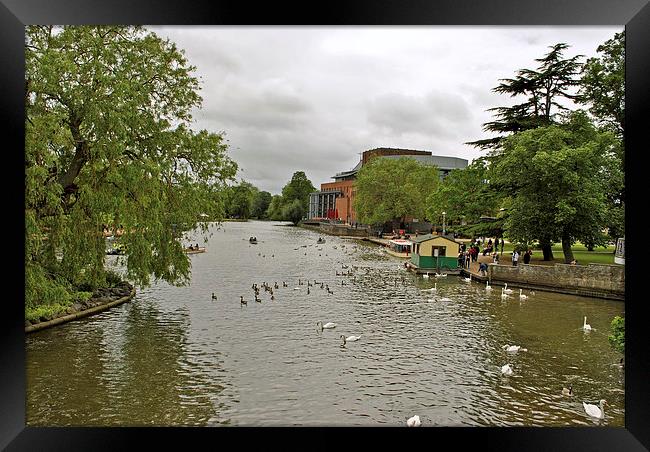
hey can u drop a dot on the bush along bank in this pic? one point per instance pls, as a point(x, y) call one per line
point(87, 304)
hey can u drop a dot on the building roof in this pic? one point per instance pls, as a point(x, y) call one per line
point(427, 237)
point(442, 162)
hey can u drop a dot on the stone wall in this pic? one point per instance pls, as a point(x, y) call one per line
point(593, 280)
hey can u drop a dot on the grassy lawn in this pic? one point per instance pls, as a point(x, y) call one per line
point(600, 255)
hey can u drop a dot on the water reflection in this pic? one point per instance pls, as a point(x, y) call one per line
point(174, 356)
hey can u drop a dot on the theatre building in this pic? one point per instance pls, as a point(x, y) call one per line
point(335, 199)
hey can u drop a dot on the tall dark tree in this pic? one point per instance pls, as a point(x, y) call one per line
point(554, 79)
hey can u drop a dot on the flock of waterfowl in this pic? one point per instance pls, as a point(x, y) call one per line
point(359, 274)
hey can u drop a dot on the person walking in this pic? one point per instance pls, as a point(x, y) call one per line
point(527, 256)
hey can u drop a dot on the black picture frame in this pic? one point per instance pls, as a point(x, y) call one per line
point(633, 14)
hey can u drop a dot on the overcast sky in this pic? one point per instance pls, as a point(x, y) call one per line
point(312, 98)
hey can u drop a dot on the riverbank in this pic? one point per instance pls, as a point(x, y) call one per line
point(101, 300)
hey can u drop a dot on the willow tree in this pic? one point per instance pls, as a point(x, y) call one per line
point(389, 189)
point(109, 142)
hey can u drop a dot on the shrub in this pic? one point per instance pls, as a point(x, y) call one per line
point(617, 338)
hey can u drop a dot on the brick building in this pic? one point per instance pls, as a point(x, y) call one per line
point(335, 199)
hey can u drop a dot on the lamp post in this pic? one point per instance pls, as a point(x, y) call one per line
point(443, 222)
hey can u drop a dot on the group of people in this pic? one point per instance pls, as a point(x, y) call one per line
point(194, 247)
point(469, 253)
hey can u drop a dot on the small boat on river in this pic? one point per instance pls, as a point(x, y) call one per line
point(320, 240)
point(252, 240)
point(194, 250)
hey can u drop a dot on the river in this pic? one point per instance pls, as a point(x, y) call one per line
point(174, 356)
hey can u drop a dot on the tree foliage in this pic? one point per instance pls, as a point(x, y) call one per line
point(554, 176)
point(298, 188)
point(294, 211)
point(261, 203)
point(617, 336)
point(240, 198)
point(603, 84)
point(464, 195)
point(109, 141)
point(554, 80)
point(389, 189)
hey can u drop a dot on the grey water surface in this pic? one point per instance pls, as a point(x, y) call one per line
point(174, 356)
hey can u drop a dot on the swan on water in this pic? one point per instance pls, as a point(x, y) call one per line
point(487, 285)
point(506, 369)
point(595, 410)
point(506, 290)
point(328, 325)
point(468, 279)
point(426, 275)
point(414, 421)
point(567, 391)
point(440, 275)
point(514, 348)
point(349, 339)
point(585, 325)
point(521, 295)
point(503, 293)
point(433, 289)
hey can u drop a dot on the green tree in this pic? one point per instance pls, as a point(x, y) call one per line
point(274, 211)
point(603, 90)
point(299, 187)
point(108, 141)
point(464, 195)
point(240, 200)
point(294, 211)
point(261, 204)
point(554, 177)
point(389, 189)
point(602, 86)
point(617, 336)
point(553, 80)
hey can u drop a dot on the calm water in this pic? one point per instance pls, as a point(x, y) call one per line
point(174, 356)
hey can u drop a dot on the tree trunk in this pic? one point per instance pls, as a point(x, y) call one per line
point(566, 249)
point(546, 250)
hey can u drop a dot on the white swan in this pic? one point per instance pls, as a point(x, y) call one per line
point(506, 369)
point(506, 290)
point(503, 294)
point(426, 275)
point(468, 279)
point(414, 421)
point(349, 339)
point(595, 410)
point(514, 348)
point(521, 295)
point(585, 325)
point(433, 289)
point(487, 285)
point(328, 325)
point(440, 275)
